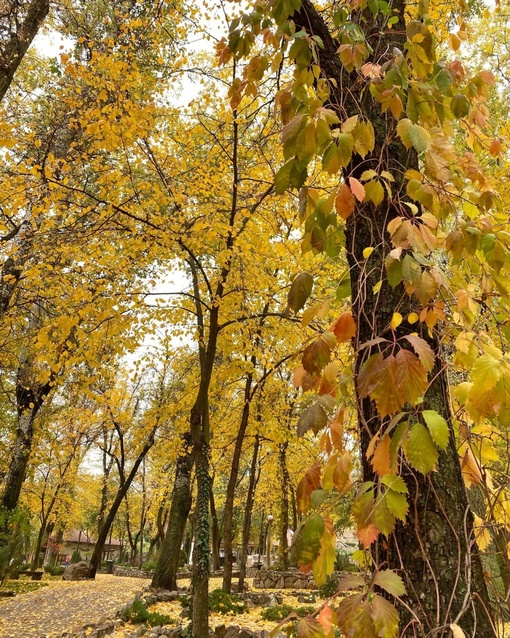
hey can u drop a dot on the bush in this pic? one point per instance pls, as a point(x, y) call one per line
point(343, 563)
point(279, 612)
point(138, 613)
point(76, 557)
point(329, 587)
point(224, 603)
point(149, 566)
point(54, 571)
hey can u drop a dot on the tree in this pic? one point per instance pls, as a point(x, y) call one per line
point(356, 101)
point(20, 23)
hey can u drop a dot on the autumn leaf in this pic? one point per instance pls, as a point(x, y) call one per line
point(344, 328)
point(299, 292)
point(357, 189)
point(390, 582)
point(344, 201)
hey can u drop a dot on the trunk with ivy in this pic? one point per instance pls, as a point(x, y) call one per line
point(434, 549)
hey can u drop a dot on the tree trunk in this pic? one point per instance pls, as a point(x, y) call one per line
point(215, 531)
point(228, 512)
point(250, 497)
point(165, 574)
point(434, 549)
point(17, 45)
point(283, 554)
point(95, 559)
point(200, 579)
point(29, 400)
point(38, 545)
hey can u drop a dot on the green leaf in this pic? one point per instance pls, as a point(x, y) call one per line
point(420, 138)
point(420, 449)
point(390, 582)
point(345, 146)
point(300, 290)
point(374, 191)
point(438, 428)
point(307, 545)
point(325, 562)
point(331, 159)
point(397, 504)
point(460, 105)
point(393, 271)
point(395, 483)
point(383, 518)
point(411, 269)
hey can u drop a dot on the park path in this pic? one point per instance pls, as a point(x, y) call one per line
point(65, 606)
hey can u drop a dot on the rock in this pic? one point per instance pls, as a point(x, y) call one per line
point(232, 632)
point(306, 598)
point(245, 633)
point(76, 571)
point(220, 631)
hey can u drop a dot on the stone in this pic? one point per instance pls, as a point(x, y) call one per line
point(232, 632)
point(245, 633)
point(220, 631)
point(76, 571)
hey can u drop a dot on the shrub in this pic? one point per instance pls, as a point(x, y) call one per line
point(329, 587)
point(138, 613)
point(149, 566)
point(76, 557)
point(224, 603)
point(279, 612)
point(54, 571)
point(343, 563)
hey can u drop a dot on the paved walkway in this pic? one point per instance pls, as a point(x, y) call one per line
point(65, 606)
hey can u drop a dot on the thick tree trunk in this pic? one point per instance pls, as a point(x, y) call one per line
point(165, 575)
point(15, 48)
point(29, 400)
point(434, 549)
point(250, 497)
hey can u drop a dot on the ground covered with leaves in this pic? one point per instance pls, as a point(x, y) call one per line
point(53, 606)
point(62, 605)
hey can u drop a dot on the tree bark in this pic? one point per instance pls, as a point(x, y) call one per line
point(228, 512)
point(14, 49)
point(283, 554)
point(434, 550)
point(95, 559)
point(165, 574)
point(215, 530)
point(250, 497)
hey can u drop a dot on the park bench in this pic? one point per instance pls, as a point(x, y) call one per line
point(28, 572)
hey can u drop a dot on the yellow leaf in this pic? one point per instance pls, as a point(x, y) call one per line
point(377, 287)
point(412, 318)
point(367, 252)
point(396, 320)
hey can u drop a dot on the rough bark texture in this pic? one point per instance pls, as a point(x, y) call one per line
point(215, 529)
point(434, 550)
point(165, 574)
point(29, 399)
point(16, 41)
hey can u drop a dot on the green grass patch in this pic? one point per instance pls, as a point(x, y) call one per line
point(138, 613)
